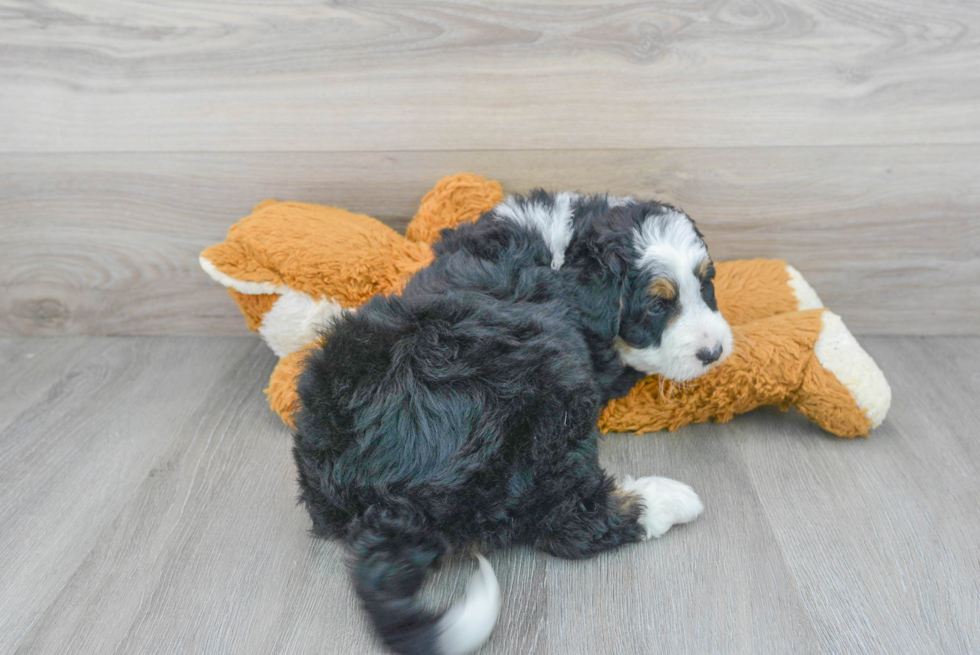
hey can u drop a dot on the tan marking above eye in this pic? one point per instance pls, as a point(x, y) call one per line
point(663, 288)
point(702, 270)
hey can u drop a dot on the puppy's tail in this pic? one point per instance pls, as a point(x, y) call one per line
point(393, 555)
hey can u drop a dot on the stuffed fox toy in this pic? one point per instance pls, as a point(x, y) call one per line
point(291, 267)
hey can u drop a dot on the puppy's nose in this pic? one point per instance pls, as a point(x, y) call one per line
point(707, 356)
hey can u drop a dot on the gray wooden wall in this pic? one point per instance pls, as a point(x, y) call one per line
point(841, 135)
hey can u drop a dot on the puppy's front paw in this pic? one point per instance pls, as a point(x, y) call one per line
point(666, 502)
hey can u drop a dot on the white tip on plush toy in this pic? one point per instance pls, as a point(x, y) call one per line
point(806, 297)
point(241, 286)
point(838, 352)
point(295, 320)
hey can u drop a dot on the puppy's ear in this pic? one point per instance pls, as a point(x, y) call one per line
point(612, 239)
point(603, 245)
point(600, 253)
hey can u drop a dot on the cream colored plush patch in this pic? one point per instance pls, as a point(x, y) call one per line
point(838, 352)
point(295, 320)
point(806, 297)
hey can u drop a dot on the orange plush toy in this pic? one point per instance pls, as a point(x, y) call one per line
point(292, 266)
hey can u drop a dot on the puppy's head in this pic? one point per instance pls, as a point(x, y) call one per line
point(670, 324)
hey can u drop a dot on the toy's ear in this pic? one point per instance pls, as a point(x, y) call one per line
point(455, 199)
point(292, 267)
point(323, 252)
point(233, 265)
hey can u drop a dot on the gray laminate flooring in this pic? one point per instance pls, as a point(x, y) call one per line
point(147, 505)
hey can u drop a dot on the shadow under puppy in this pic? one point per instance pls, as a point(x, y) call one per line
point(462, 413)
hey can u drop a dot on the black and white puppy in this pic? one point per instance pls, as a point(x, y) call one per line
point(462, 413)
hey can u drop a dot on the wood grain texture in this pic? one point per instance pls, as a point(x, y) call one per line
point(71, 459)
point(158, 75)
point(32, 369)
point(148, 507)
point(726, 589)
point(882, 542)
point(108, 243)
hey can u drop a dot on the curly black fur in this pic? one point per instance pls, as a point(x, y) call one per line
point(464, 410)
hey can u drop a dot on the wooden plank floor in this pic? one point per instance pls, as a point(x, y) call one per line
point(147, 506)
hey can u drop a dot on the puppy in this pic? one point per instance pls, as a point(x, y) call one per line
point(462, 413)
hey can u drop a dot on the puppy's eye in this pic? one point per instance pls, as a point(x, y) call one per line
point(660, 305)
point(708, 293)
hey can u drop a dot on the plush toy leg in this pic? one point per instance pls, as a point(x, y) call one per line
point(253, 306)
point(840, 364)
point(807, 359)
point(750, 289)
point(281, 392)
point(455, 199)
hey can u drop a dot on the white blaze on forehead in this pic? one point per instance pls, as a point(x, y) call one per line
point(552, 221)
point(667, 245)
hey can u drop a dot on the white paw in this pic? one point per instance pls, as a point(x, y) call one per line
point(667, 502)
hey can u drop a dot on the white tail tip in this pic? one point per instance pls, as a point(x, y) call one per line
point(467, 625)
